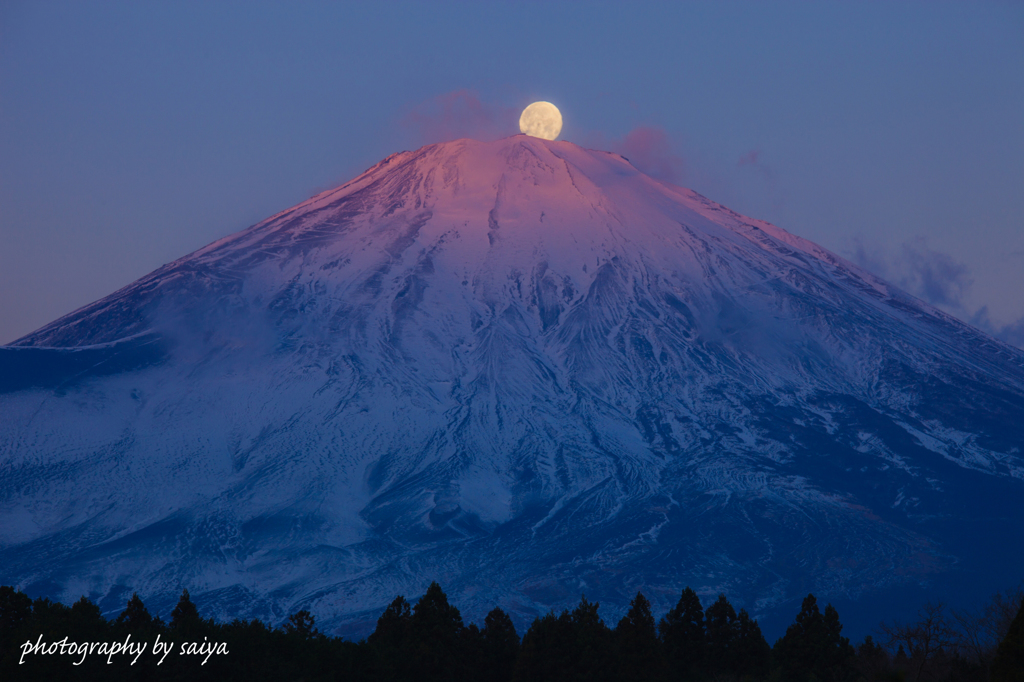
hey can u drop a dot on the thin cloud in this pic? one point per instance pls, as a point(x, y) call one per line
point(932, 275)
point(753, 160)
point(750, 158)
point(937, 278)
point(872, 260)
point(648, 148)
point(1012, 333)
point(459, 114)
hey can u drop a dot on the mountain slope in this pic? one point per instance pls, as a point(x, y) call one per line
point(523, 369)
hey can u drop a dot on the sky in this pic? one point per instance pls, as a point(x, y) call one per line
point(890, 133)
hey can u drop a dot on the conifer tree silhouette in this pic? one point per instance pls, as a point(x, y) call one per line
point(547, 650)
point(1008, 664)
point(135, 617)
point(393, 624)
point(390, 641)
point(436, 633)
point(813, 648)
point(15, 609)
point(637, 649)
point(591, 642)
point(185, 620)
point(752, 654)
point(500, 645)
point(682, 632)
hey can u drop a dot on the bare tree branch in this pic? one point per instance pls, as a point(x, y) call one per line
point(923, 641)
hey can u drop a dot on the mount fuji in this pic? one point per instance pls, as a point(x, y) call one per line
point(525, 370)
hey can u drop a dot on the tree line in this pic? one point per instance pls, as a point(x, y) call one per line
point(428, 641)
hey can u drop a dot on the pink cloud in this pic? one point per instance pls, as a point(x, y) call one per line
point(458, 114)
point(750, 158)
point(650, 150)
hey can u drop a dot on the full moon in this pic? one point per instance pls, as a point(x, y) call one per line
point(541, 119)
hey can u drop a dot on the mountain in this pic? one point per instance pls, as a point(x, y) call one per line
point(527, 371)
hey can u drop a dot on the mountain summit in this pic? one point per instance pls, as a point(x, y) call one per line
point(525, 370)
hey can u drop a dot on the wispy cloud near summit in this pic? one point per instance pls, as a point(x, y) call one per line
point(648, 148)
point(458, 114)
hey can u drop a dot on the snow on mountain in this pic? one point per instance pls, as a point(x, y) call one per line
point(523, 369)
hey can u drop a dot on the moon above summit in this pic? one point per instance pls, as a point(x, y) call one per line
point(541, 119)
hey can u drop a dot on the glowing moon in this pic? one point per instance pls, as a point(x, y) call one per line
point(541, 119)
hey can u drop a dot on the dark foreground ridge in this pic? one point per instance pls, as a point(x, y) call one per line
point(43, 640)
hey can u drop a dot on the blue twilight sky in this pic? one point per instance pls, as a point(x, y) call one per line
point(133, 133)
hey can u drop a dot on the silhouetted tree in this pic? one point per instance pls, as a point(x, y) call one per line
point(682, 632)
point(638, 651)
point(900, 662)
point(572, 646)
point(499, 646)
point(136, 617)
point(547, 650)
point(48, 619)
point(752, 657)
point(15, 609)
point(872, 660)
point(721, 631)
point(1008, 664)
point(85, 611)
point(301, 625)
point(978, 632)
point(474, 664)
point(734, 645)
point(593, 643)
point(813, 648)
point(839, 653)
point(393, 625)
point(390, 641)
point(85, 623)
point(255, 651)
point(925, 641)
point(185, 618)
point(436, 634)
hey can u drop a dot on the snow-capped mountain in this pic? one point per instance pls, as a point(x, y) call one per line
point(522, 369)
